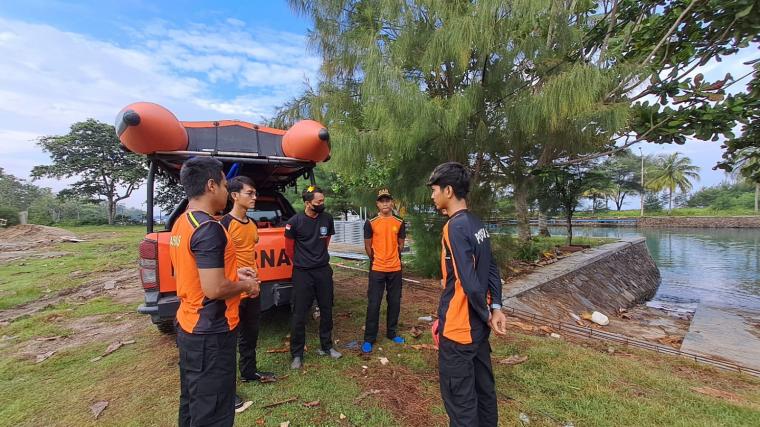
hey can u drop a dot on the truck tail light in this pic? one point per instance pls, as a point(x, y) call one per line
point(149, 263)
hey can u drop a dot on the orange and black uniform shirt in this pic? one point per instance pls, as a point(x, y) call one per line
point(244, 235)
point(199, 241)
point(470, 279)
point(385, 232)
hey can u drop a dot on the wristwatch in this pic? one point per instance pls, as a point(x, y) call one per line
point(495, 306)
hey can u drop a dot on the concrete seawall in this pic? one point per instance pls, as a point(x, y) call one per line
point(612, 276)
point(700, 221)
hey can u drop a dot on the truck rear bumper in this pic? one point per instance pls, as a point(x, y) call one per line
point(163, 307)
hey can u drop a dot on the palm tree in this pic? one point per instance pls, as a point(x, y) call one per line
point(674, 171)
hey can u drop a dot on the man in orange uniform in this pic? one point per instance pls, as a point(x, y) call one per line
point(209, 285)
point(470, 304)
point(245, 235)
point(383, 240)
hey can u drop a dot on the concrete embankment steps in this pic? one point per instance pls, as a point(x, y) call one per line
point(612, 276)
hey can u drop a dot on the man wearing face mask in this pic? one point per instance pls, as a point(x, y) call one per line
point(307, 236)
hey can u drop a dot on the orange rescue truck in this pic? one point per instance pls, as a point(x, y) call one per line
point(274, 159)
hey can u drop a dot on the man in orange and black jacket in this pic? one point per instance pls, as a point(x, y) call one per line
point(383, 240)
point(470, 304)
point(245, 235)
point(209, 285)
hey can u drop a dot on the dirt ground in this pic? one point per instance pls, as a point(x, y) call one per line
point(35, 241)
point(31, 241)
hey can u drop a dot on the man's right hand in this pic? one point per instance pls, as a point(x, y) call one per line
point(255, 288)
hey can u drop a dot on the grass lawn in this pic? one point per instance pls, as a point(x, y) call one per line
point(105, 249)
point(579, 382)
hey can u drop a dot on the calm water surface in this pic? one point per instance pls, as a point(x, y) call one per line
point(720, 267)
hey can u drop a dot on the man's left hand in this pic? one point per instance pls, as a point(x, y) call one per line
point(498, 322)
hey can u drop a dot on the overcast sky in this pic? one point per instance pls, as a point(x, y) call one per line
point(65, 61)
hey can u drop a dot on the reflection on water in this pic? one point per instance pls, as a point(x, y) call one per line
point(720, 267)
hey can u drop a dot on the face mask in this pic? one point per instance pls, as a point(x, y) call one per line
point(318, 208)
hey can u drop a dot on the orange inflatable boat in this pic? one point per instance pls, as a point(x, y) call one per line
point(148, 128)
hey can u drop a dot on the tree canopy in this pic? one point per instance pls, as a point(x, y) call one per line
point(91, 153)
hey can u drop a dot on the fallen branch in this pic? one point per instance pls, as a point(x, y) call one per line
point(281, 402)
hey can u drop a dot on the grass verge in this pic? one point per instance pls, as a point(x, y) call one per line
point(588, 384)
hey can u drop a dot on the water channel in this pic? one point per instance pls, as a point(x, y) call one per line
point(719, 267)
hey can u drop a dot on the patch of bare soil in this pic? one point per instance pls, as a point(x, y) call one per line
point(401, 391)
point(394, 387)
point(123, 285)
point(32, 241)
point(108, 328)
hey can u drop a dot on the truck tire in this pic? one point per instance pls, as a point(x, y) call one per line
point(166, 327)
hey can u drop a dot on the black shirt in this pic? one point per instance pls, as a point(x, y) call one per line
point(310, 236)
point(208, 242)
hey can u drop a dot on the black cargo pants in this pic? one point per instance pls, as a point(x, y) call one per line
point(467, 384)
point(207, 378)
point(250, 315)
point(308, 284)
point(379, 283)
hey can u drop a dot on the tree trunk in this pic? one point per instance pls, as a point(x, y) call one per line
point(670, 200)
point(543, 226)
point(521, 206)
point(757, 193)
point(593, 205)
point(111, 206)
point(569, 228)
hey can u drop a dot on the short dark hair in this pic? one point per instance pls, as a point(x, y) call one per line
point(196, 172)
point(308, 193)
point(235, 185)
point(453, 174)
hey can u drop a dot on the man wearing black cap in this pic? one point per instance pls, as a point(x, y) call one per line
point(383, 240)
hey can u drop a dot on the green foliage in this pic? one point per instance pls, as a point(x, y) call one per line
point(168, 192)
point(425, 230)
point(9, 214)
point(506, 248)
point(743, 152)
point(652, 202)
point(664, 41)
point(91, 152)
point(672, 171)
point(16, 193)
point(567, 186)
point(724, 197)
point(624, 173)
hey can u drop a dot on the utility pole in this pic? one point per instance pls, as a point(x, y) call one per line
point(642, 181)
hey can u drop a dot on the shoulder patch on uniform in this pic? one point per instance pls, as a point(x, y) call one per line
point(288, 226)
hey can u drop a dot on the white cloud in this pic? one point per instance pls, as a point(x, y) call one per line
point(51, 78)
